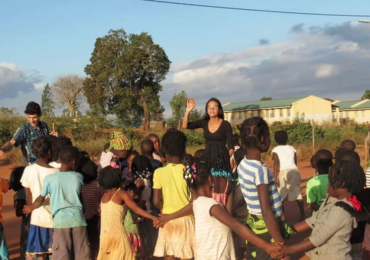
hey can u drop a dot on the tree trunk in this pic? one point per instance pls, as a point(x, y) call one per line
point(71, 110)
point(146, 123)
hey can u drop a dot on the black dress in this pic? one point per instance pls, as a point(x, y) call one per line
point(216, 154)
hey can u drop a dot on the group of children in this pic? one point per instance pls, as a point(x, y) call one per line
point(80, 210)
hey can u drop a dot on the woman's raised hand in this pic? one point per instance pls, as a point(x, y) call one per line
point(190, 104)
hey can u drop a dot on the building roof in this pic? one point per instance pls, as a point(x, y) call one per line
point(354, 104)
point(346, 104)
point(365, 104)
point(285, 102)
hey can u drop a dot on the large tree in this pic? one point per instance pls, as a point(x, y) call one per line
point(366, 95)
point(47, 102)
point(68, 90)
point(125, 74)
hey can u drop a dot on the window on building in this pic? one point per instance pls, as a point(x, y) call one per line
point(240, 115)
point(333, 114)
point(232, 115)
point(288, 112)
point(245, 114)
point(252, 113)
point(267, 114)
point(259, 113)
point(347, 114)
point(340, 114)
point(272, 114)
point(356, 114)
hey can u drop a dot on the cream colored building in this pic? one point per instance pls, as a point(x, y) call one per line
point(356, 110)
point(312, 108)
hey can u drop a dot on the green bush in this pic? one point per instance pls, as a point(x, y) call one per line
point(8, 126)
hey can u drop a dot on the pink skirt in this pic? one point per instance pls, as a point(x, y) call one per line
point(137, 245)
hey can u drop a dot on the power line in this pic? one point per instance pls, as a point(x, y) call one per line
point(256, 10)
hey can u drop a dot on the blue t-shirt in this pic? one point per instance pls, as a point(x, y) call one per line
point(25, 135)
point(251, 174)
point(66, 207)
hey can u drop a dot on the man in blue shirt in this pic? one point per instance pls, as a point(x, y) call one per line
point(27, 133)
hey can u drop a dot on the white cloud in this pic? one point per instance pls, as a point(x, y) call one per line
point(14, 81)
point(348, 47)
point(325, 71)
point(39, 86)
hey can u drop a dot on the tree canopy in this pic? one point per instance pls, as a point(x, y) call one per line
point(124, 75)
point(47, 102)
point(178, 106)
point(68, 90)
point(266, 98)
point(366, 95)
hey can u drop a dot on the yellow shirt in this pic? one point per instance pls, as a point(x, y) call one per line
point(4, 185)
point(174, 188)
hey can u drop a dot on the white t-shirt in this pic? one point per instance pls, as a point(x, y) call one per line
point(286, 156)
point(212, 238)
point(55, 165)
point(33, 178)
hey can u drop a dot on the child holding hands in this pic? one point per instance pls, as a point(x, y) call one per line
point(114, 242)
point(213, 224)
point(333, 223)
point(170, 194)
point(259, 189)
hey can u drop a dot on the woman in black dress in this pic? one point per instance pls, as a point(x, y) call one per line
point(217, 132)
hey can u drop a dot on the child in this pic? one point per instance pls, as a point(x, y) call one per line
point(147, 149)
point(258, 187)
point(240, 211)
point(4, 187)
point(157, 145)
point(367, 229)
point(127, 174)
point(57, 143)
point(40, 236)
point(19, 203)
point(317, 186)
point(286, 172)
point(348, 144)
point(358, 232)
point(143, 175)
point(114, 242)
point(333, 223)
point(131, 222)
point(213, 237)
point(91, 195)
point(170, 194)
point(64, 187)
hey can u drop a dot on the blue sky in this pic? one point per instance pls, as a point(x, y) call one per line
point(233, 55)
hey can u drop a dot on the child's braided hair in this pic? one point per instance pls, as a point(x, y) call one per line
point(348, 175)
point(196, 172)
point(252, 130)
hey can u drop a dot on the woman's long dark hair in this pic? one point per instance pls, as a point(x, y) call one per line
point(220, 110)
